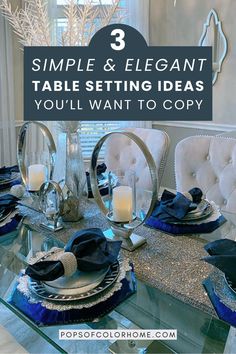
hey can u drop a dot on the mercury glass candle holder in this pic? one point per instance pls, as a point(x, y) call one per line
point(51, 204)
point(122, 208)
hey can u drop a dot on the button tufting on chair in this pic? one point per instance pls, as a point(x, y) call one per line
point(131, 156)
point(215, 176)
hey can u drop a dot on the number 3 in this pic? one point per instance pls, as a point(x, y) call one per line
point(119, 41)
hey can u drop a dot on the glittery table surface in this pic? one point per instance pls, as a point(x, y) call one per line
point(170, 263)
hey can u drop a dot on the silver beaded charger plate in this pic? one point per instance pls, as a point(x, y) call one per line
point(74, 294)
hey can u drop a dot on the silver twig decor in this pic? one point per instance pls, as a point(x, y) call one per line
point(34, 27)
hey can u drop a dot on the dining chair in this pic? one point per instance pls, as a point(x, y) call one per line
point(122, 153)
point(230, 134)
point(208, 162)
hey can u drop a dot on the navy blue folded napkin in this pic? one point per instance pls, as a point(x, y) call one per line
point(6, 172)
point(100, 170)
point(92, 250)
point(174, 207)
point(6, 177)
point(8, 203)
point(223, 311)
point(222, 254)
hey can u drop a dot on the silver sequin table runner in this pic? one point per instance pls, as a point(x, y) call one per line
point(170, 263)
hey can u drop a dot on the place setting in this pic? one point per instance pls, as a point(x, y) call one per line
point(220, 285)
point(9, 215)
point(9, 176)
point(185, 213)
point(82, 282)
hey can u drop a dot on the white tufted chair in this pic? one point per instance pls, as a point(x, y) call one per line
point(122, 153)
point(209, 163)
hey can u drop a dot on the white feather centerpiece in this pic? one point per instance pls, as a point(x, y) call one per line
point(34, 27)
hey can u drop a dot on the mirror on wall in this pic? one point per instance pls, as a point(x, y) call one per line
point(214, 36)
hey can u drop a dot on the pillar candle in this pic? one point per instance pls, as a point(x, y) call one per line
point(122, 204)
point(37, 175)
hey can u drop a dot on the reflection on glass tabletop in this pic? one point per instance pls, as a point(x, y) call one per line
point(149, 308)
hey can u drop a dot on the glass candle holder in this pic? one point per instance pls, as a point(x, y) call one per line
point(35, 167)
point(51, 204)
point(122, 196)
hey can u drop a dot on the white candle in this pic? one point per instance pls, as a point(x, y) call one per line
point(122, 203)
point(37, 175)
point(50, 211)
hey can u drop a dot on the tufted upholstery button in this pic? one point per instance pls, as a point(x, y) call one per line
point(194, 174)
point(217, 180)
point(225, 202)
point(208, 157)
point(157, 141)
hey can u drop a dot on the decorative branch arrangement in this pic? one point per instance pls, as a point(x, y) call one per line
point(34, 27)
point(69, 127)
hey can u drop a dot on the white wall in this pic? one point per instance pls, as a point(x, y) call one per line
point(182, 25)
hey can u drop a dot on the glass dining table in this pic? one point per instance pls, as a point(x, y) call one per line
point(199, 331)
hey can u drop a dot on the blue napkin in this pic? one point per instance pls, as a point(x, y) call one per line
point(92, 250)
point(100, 170)
point(8, 203)
point(6, 175)
point(224, 312)
point(174, 207)
point(6, 172)
point(223, 256)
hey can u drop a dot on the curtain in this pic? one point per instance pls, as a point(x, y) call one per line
point(138, 17)
point(7, 107)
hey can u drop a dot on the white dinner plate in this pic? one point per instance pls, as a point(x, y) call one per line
point(78, 283)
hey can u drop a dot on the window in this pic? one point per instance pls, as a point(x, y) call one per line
point(91, 132)
point(81, 2)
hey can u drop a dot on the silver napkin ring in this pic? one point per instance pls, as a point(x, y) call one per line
point(69, 263)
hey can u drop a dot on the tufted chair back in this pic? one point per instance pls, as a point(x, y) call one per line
point(209, 163)
point(122, 153)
